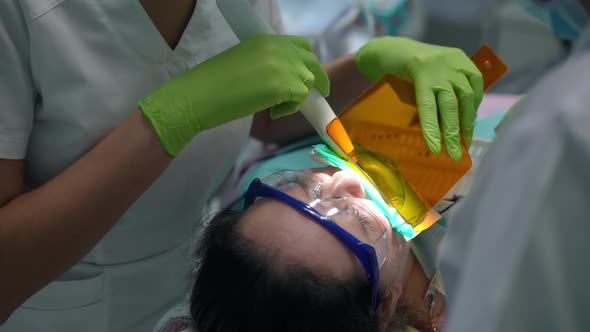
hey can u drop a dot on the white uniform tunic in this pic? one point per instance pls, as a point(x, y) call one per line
point(70, 72)
point(516, 255)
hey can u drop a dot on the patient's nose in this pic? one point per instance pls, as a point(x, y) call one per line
point(343, 183)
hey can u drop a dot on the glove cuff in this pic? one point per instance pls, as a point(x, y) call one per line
point(172, 139)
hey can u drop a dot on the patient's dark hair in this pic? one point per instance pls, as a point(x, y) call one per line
point(241, 287)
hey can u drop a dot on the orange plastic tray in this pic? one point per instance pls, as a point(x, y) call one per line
point(384, 126)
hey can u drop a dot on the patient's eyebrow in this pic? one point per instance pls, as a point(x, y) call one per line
point(306, 197)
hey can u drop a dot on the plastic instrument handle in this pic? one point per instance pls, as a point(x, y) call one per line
point(244, 21)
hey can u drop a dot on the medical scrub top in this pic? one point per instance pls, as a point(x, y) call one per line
point(72, 71)
point(516, 254)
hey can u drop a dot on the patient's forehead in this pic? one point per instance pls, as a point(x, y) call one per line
point(296, 239)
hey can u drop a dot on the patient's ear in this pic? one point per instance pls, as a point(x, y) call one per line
point(386, 309)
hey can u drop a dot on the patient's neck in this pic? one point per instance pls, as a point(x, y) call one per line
point(416, 282)
point(412, 302)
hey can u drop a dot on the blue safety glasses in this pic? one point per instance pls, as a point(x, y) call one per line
point(370, 258)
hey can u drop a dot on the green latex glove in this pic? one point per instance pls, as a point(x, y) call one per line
point(448, 85)
point(265, 71)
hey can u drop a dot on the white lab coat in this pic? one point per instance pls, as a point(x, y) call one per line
point(70, 72)
point(516, 254)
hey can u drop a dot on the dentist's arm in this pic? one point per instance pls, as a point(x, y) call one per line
point(47, 230)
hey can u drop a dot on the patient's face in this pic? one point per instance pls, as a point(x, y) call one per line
point(296, 239)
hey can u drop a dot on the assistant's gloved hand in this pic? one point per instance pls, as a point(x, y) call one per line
point(261, 72)
point(441, 75)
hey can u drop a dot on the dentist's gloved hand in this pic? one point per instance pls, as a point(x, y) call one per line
point(264, 71)
point(441, 76)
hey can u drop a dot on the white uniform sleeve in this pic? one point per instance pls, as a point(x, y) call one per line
point(276, 20)
point(16, 88)
point(515, 257)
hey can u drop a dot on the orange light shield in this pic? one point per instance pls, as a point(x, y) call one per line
point(384, 126)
